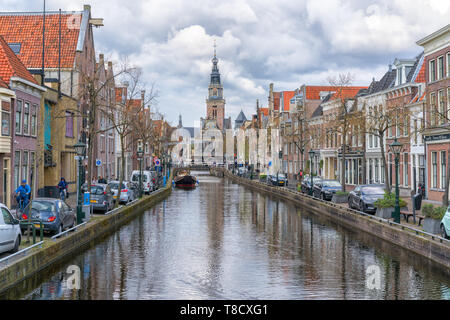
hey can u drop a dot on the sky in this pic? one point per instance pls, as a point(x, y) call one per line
point(284, 42)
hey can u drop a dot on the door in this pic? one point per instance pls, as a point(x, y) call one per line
point(7, 182)
point(7, 236)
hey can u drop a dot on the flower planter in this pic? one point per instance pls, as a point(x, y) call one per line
point(431, 225)
point(343, 198)
point(386, 213)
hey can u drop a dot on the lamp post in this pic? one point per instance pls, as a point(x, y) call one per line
point(80, 149)
point(396, 148)
point(311, 155)
point(140, 154)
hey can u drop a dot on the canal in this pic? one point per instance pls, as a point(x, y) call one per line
point(223, 241)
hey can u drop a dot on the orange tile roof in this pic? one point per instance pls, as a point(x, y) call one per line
point(264, 111)
point(313, 92)
point(11, 66)
point(26, 29)
point(287, 96)
point(421, 75)
point(346, 92)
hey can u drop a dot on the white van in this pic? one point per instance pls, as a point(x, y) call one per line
point(10, 234)
point(147, 181)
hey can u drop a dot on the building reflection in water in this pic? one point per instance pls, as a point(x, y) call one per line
point(223, 241)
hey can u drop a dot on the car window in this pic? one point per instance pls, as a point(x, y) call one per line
point(97, 190)
point(372, 190)
point(65, 206)
point(43, 205)
point(331, 184)
point(7, 218)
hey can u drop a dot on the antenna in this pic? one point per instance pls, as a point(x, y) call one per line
point(215, 46)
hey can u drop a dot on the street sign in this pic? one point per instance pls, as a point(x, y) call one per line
point(98, 162)
point(270, 163)
point(157, 162)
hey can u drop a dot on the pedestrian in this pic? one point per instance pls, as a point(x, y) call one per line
point(23, 193)
point(102, 180)
point(62, 185)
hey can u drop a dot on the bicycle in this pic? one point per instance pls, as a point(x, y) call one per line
point(62, 194)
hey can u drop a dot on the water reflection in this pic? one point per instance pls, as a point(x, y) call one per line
point(222, 241)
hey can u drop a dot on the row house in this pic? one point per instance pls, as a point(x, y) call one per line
point(437, 92)
point(68, 59)
point(104, 143)
point(20, 98)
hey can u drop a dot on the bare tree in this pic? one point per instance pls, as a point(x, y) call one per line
point(344, 118)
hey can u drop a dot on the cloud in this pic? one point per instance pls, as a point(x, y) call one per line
point(289, 43)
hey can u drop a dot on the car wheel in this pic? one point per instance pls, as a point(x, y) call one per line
point(349, 201)
point(322, 196)
point(443, 232)
point(361, 206)
point(16, 245)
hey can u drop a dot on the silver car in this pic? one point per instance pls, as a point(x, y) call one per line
point(129, 191)
point(10, 234)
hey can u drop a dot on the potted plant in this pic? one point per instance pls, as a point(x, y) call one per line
point(433, 217)
point(386, 205)
point(340, 197)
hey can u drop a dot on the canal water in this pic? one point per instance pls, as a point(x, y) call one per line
point(223, 241)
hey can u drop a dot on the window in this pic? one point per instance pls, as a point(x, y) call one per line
point(433, 108)
point(443, 168)
point(441, 104)
point(25, 165)
point(33, 120)
point(69, 125)
point(415, 131)
point(434, 168)
point(432, 73)
point(405, 169)
point(16, 169)
point(370, 141)
point(382, 171)
point(441, 69)
point(406, 126)
point(15, 47)
point(26, 119)
point(448, 64)
point(376, 170)
point(6, 118)
point(19, 117)
point(400, 74)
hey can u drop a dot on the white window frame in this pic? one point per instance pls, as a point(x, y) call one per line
point(438, 76)
point(430, 69)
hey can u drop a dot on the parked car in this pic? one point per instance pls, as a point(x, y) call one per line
point(147, 180)
point(10, 235)
point(445, 225)
point(129, 191)
point(325, 189)
point(241, 171)
point(54, 214)
point(364, 196)
point(102, 197)
point(278, 179)
point(306, 184)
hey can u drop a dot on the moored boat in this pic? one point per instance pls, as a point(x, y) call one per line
point(185, 180)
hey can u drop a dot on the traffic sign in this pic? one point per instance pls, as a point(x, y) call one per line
point(270, 163)
point(98, 162)
point(157, 162)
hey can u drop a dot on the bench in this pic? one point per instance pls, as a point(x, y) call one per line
point(407, 214)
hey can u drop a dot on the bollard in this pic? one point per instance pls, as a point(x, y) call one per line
point(34, 234)
point(41, 229)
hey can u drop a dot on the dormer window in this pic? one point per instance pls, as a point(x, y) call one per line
point(400, 75)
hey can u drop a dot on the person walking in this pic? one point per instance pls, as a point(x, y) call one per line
point(23, 193)
point(62, 185)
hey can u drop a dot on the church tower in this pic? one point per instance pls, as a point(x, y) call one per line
point(215, 103)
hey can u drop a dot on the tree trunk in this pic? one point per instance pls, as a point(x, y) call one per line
point(383, 158)
point(343, 171)
point(122, 171)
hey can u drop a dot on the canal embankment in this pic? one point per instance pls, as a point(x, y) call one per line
point(53, 250)
point(429, 246)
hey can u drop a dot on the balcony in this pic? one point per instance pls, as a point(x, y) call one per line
point(48, 159)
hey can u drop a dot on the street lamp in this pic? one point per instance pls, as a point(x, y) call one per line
point(311, 155)
point(396, 148)
point(80, 149)
point(140, 155)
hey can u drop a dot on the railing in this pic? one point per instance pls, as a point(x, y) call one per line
point(19, 254)
point(418, 232)
point(68, 230)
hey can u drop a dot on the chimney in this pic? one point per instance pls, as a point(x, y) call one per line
point(87, 7)
point(271, 87)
